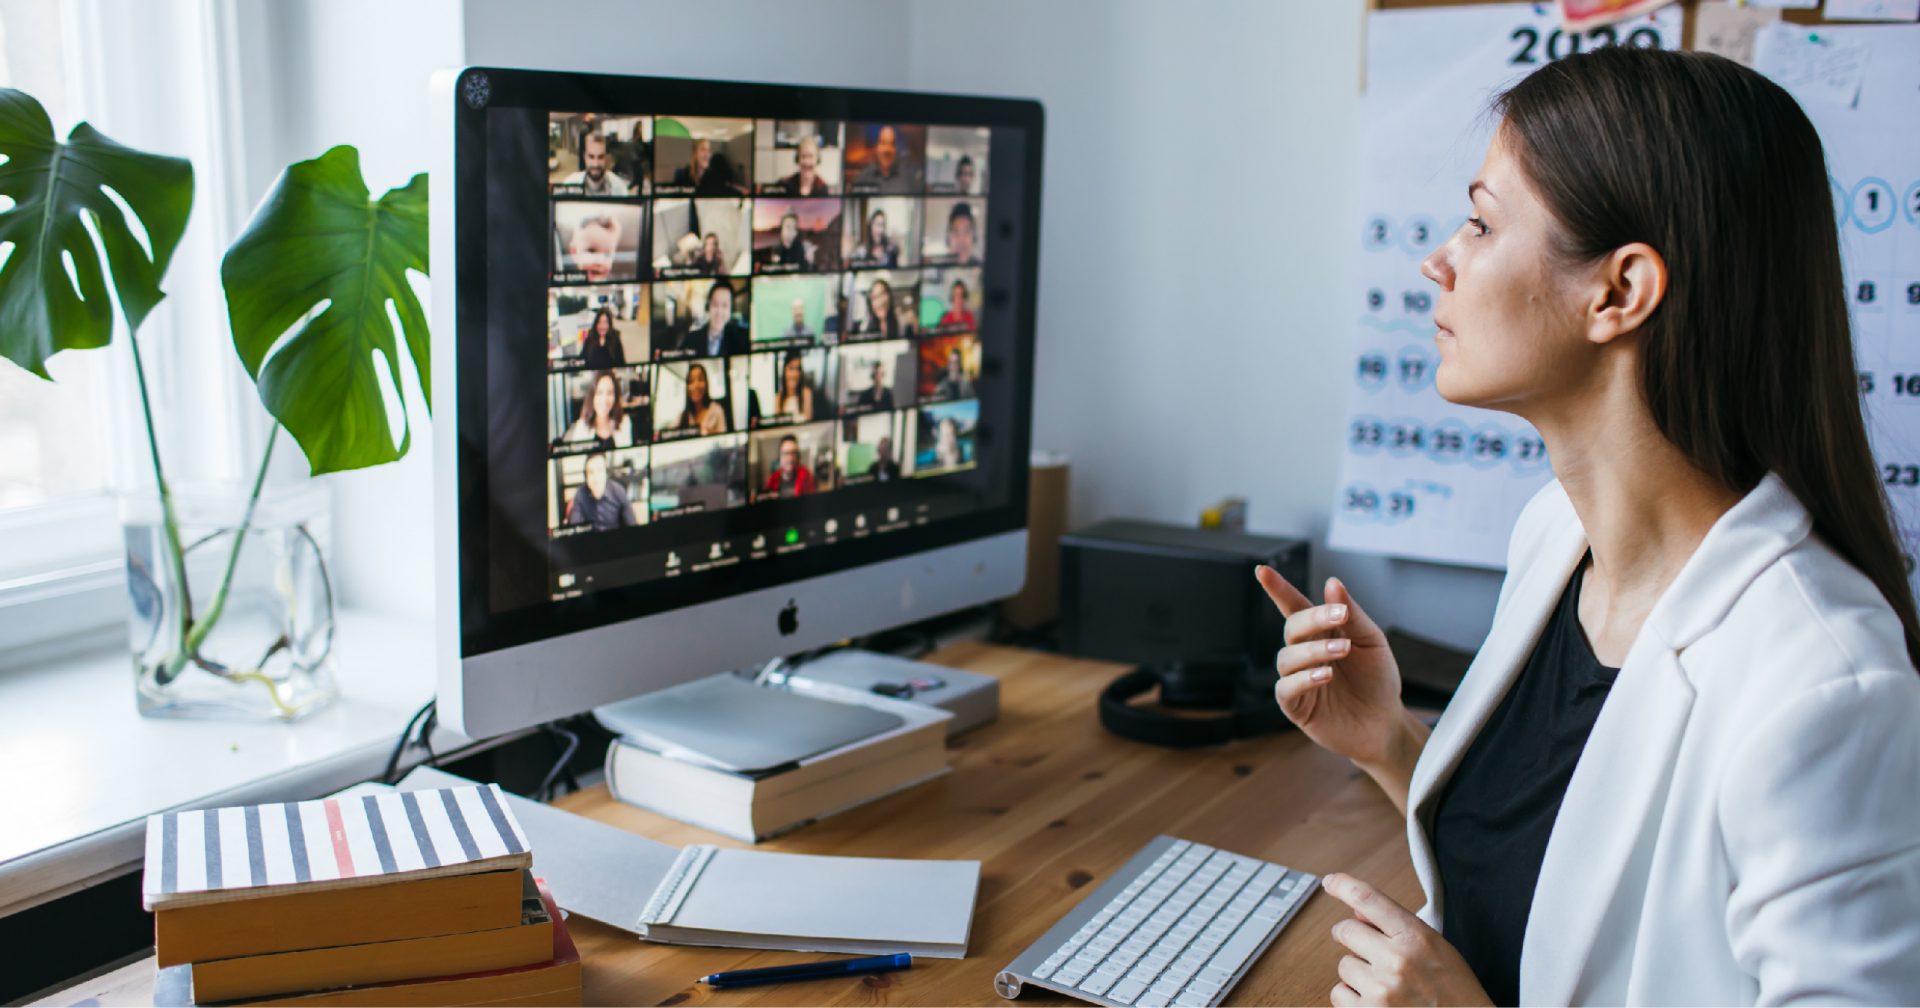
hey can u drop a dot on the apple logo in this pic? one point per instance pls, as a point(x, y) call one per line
point(789, 619)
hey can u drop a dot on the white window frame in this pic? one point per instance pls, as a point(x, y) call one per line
point(161, 75)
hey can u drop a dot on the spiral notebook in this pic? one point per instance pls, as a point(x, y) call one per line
point(705, 895)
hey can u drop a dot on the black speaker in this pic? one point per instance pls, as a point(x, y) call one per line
point(1182, 604)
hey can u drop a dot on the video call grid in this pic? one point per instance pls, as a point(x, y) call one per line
point(846, 423)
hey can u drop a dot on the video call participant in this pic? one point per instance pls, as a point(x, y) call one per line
point(806, 181)
point(794, 403)
point(953, 383)
point(603, 416)
point(885, 468)
point(798, 330)
point(601, 348)
point(596, 179)
point(595, 240)
point(960, 234)
point(789, 478)
point(600, 502)
point(963, 175)
point(946, 451)
point(876, 396)
point(886, 173)
point(876, 247)
point(708, 174)
point(721, 335)
point(710, 260)
point(792, 250)
point(881, 319)
point(701, 413)
point(957, 313)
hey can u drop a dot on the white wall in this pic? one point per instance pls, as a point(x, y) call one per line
point(1197, 242)
point(1197, 234)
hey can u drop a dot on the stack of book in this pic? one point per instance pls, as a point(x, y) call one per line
point(752, 805)
point(374, 898)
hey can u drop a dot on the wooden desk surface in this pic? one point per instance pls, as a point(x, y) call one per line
point(1049, 802)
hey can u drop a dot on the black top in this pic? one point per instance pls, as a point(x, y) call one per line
point(1491, 822)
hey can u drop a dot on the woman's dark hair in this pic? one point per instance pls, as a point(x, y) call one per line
point(792, 357)
point(889, 324)
point(689, 418)
point(613, 332)
point(1747, 364)
point(586, 408)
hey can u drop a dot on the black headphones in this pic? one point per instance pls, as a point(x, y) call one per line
point(1242, 689)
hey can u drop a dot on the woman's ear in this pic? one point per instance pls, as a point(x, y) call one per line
point(1632, 283)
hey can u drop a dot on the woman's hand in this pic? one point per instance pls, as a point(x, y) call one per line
point(1338, 679)
point(1393, 957)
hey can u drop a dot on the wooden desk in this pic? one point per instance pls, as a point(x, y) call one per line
point(1049, 802)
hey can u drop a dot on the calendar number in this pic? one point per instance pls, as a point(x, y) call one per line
point(1901, 475)
point(1906, 384)
point(1559, 44)
point(1866, 383)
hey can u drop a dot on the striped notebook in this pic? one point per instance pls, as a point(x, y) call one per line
point(216, 855)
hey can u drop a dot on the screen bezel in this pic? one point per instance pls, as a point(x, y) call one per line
point(483, 630)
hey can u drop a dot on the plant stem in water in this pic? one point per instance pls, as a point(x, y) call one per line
point(199, 629)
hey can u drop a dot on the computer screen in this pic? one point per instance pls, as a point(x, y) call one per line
point(715, 337)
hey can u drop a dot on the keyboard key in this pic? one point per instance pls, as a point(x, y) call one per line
point(1153, 1001)
point(1098, 983)
point(1126, 991)
point(1199, 993)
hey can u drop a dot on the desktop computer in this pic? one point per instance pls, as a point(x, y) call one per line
point(723, 371)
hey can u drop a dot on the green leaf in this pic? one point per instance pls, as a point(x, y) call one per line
point(43, 309)
point(319, 240)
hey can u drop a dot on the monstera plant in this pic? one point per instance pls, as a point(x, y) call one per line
point(318, 302)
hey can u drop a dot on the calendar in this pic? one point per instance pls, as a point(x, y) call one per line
point(1421, 477)
point(1861, 87)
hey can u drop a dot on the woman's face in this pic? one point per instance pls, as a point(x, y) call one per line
point(880, 297)
point(696, 384)
point(1510, 312)
point(604, 396)
point(789, 230)
point(711, 247)
point(793, 375)
point(602, 325)
point(877, 229)
point(949, 436)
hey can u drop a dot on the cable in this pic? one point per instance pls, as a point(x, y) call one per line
point(545, 791)
point(429, 711)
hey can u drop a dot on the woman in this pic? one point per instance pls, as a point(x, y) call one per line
point(601, 348)
point(947, 452)
point(1682, 769)
point(957, 313)
point(701, 413)
point(603, 417)
point(878, 249)
point(881, 319)
point(711, 261)
point(794, 404)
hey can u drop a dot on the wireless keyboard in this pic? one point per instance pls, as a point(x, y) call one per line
point(1177, 925)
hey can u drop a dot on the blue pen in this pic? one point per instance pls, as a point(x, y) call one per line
point(808, 971)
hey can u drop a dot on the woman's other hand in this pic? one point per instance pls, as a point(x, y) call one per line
point(1394, 957)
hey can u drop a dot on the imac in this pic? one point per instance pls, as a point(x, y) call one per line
point(688, 413)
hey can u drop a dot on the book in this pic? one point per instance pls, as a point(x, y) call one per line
point(345, 870)
point(813, 903)
point(755, 806)
point(527, 942)
point(744, 898)
point(554, 981)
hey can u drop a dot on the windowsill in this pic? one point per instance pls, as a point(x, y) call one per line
point(80, 769)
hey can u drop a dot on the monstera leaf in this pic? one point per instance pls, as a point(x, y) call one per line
point(308, 288)
point(55, 187)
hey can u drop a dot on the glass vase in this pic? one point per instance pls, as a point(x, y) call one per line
point(246, 634)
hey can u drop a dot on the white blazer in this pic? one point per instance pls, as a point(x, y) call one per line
point(1744, 824)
